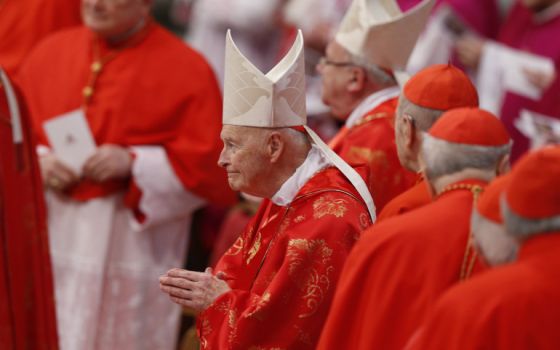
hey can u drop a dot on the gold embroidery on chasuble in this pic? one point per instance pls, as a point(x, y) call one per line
point(258, 306)
point(328, 205)
point(206, 329)
point(367, 155)
point(310, 254)
point(255, 248)
point(237, 247)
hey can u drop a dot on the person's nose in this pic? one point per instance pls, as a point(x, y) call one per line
point(223, 160)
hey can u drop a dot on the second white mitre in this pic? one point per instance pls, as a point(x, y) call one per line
point(380, 33)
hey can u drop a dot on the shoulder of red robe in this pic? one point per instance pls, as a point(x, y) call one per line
point(441, 87)
point(470, 126)
point(488, 204)
point(534, 190)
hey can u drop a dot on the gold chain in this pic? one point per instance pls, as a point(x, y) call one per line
point(468, 259)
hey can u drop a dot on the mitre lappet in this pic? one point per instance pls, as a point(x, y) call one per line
point(276, 100)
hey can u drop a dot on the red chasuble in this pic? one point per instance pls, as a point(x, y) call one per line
point(398, 269)
point(522, 30)
point(284, 267)
point(514, 307)
point(23, 23)
point(372, 142)
point(150, 90)
point(27, 316)
point(415, 197)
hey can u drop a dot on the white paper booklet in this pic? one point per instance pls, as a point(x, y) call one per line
point(71, 139)
point(540, 129)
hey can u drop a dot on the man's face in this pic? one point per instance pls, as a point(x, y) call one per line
point(243, 158)
point(335, 70)
point(111, 18)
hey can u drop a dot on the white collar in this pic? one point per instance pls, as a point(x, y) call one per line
point(314, 162)
point(370, 103)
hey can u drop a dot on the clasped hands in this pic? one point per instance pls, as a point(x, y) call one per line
point(108, 162)
point(192, 289)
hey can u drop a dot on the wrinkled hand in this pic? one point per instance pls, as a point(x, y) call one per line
point(56, 176)
point(469, 50)
point(191, 289)
point(108, 162)
point(539, 79)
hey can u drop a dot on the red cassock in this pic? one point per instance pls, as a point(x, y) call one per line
point(27, 316)
point(415, 197)
point(372, 142)
point(185, 121)
point(284, 267)
point(523, 31)
point(23, 23)
point(398, 269)
point(514, 307)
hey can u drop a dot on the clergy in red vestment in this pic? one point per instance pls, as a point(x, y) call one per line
point(360, 87)
point(23, 23)
point(425, 97)
point(273, 288)
point(515, 306)
point(27, 311)
point(531, 27)
point(400, 266)
point(119, 211)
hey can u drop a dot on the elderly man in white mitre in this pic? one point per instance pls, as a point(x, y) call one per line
point(274, 286)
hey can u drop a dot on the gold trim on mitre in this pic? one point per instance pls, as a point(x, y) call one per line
point(252, 98)
point(380, 33)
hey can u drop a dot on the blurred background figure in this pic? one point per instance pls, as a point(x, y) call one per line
point(23, 23)
point(120, 217)
point(255, 25)
point(27, 312)
point(518, 73)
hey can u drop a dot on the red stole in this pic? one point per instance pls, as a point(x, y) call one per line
point(27, 315)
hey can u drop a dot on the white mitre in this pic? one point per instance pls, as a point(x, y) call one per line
point(252, 98)
point(380, 33)
point(276, 100)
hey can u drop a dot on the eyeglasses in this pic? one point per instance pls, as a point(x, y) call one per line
point(323, 61)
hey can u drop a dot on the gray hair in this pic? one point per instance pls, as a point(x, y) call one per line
point(492, 240)
point(444, 158)
point(374, 72)
point(522, 228)
point(423, 117)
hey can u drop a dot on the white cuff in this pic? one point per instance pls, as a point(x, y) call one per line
point(164, 197)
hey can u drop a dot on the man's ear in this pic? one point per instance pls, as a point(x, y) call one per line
point(275, 146)
point(357, 79)
point(503, 166)
point(409, 132)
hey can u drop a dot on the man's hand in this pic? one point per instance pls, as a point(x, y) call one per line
point(469, 50)
point(107, 163)
point(539, 79)
point(191, 289)
point(56, 176)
